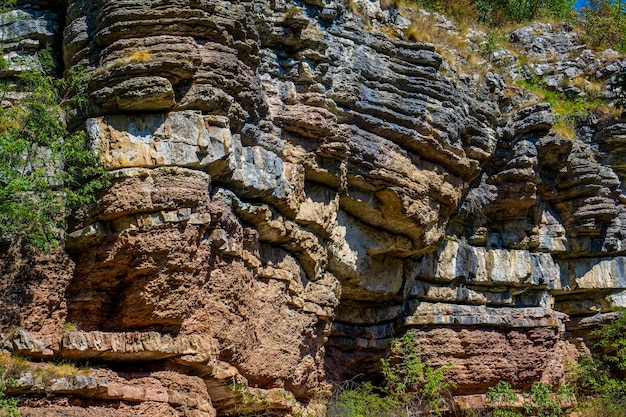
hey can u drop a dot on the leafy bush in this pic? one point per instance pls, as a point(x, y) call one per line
point(503, 399)
point(612, 340)
point(493, 42)
point(7, 5)
point(44, 168)
point(411, 387)
point(604, 24)
point(8, 405)
point(411, 381)
point(540, 401)
point(500, 12)
point(363, 400)
point(599, 378)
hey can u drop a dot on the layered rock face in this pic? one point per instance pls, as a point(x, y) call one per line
point(290, 190)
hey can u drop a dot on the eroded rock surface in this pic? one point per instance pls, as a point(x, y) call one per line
point(290, 190)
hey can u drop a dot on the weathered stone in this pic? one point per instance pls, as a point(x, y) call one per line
point(459, 260)
point(291, 189)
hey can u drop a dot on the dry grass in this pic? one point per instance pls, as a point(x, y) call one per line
point(140, 56)
point(593, 89)
point(13, 365)
point(293, 11)
point(356, 10)
point(49, 372)
point(67, 369)
point(388, 4)
point(565, 130)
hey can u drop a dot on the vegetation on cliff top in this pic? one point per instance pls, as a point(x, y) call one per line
point(500, 12)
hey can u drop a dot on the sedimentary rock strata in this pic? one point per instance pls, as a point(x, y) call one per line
point(292, 188)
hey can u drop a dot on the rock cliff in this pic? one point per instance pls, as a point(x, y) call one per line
point(292, 187)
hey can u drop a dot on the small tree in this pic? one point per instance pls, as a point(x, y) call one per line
point(411, 388)
point(604, 24)
point(44, 168)
point(413, 383)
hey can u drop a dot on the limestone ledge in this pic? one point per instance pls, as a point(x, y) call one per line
point(427, 314)
point(457, 261)
point(114, 347)
point(275, 171)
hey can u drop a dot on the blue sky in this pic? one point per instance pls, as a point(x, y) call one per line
point(581, 3)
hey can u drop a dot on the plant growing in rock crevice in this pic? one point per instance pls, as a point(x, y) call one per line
point(598, 379)
point(8, 404)
point(44, 168)
point(411, 387)
point(541, 401)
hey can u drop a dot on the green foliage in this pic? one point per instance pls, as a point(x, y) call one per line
point(600, 393)
point(411, 387)
point(599, 379)
point(363, 401)
point(7, 5)
point(8, 405)
point(501, 12)
point(612, 340)
point(503, 399)
point(248, 403)
point(410, 380)
point(604, 24)
point(493, 42)
point(44, 168)
point(540, 401)
point(568, 112)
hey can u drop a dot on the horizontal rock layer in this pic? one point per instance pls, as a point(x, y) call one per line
point(290, 190)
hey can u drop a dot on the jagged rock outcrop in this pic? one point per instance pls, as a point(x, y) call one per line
point(290, 190)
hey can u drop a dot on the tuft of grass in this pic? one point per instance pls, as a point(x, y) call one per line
point(49, 372)
point(568, 112)
point(140, 56)
point(565, 130)
point(293, 11)
point(68, 326)
point(13, 365)
point(66, 369)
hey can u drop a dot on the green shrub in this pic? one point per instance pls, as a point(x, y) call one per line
point(604, 24)
point(7, 5)
point(411, 387)
point(8, 405)
point(612, 340)
point(599, 392)
point(411, 381)
point(503, 399)
point(493, 42)
point(363, 400)
point(540, 401)
point(44, 168)
point(599, 378)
